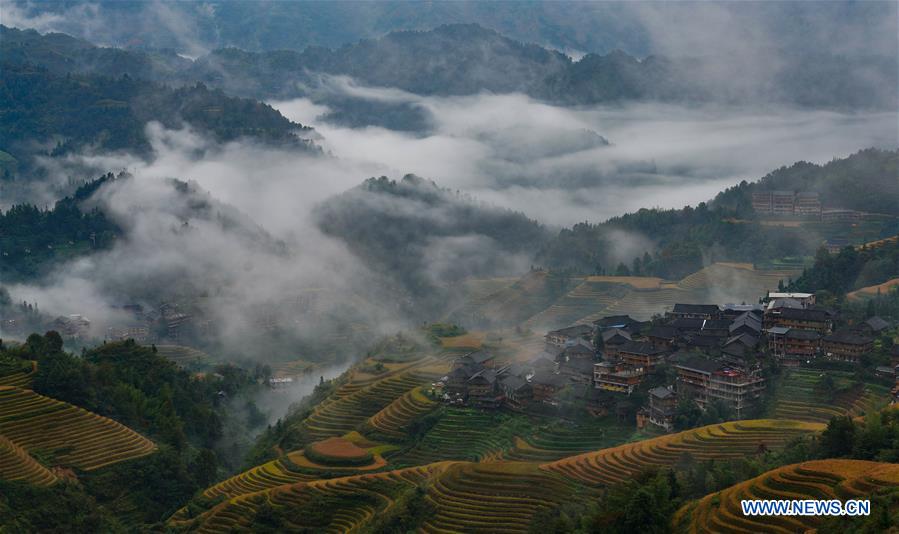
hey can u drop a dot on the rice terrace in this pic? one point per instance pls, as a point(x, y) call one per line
point(383, 267)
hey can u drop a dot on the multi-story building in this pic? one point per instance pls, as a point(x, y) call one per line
point(642, 354)
point(662, 407)
point(804, 299)
point(617, 377)
point(695, 311)
point(782, 202)
point(762, 202)
point(847, 345)
point(706, 381)
point(800, 318)
point(792, 346)
point(565, 336)
point(807, 203)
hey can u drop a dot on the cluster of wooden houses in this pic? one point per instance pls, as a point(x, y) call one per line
point(715, 353)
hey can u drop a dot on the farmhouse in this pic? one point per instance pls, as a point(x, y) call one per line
point(847, 345)
point(662, 407)
point(613, 339)
point(641, 354)
point(545, 386)
point(622, 322)
point(565, 336)
point(793, 345)
point(695, 311)
point(802, 318)
point(874, 326)
point(517, 391)
point(617, 377)
point(662, 336)
point(804, 299)
point(579, 371)
point(483, 390)
point(746, 323)
point(706, 381)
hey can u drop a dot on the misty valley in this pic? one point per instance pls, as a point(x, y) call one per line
point(389, 267)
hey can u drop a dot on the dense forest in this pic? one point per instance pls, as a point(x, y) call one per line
point(35, 240)
point(418, 233)
point(836, 182)
point(726, 228)
point(72, 112)
point(185, 415)
point(850, 269)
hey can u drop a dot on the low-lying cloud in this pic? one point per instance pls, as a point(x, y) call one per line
point(557, 165)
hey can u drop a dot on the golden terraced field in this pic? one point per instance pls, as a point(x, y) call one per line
point(70, 436)
point(821, 479)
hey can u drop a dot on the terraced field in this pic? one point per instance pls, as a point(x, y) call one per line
point(266, 476)
point(356, 402)
point(184, 356)
point(801, 396)
point(392, 419)
point(586, 299)
point(555, 441)
point(642, 305)
point(462, 434)
point(726, 440)
point(492, 497)
point(19, 379)
point(16, 464)
point(820, 479)
point(69, 435)
point(753, 282)
point(332, 505)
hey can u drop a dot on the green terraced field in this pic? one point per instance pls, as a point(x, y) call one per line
point(559, 440)
point(800, 396)
point(464, 434)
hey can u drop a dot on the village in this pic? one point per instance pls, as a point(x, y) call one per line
point(702, 354)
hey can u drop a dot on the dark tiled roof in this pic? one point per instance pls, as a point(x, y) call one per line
point(479, 356)
point(716, 324)
point(802, 314)
point(703, 341)
point(487, 374)
point(795, 333)
point(848, 337)
point(549, 379)
point(877, 324)
point(615, 320)
point(580, 366)
point(640, 347)
point(735, 349)
point(698, 363)
point(686, 324)
point(612, 332)
point(743, 339)
point(696, 308)
point(513, 383)
point(578, 349)
point(663, 332)
point(747, 319)
point(661, 392)
point(573, 331)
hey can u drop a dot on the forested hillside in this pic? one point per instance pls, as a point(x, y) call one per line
point(865, 181)
point(460, 59)
point(46, 113)
point(419, 234)
point(726, 228)
point(34, 240)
